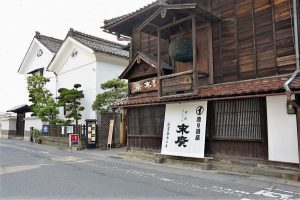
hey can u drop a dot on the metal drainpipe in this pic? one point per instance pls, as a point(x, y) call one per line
point(296, 41)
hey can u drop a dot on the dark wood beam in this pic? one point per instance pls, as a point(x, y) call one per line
point(176, 22)
point(177, 96)
point(149, 19)
point(158, 62)
point(177, 74)
point(210, 56)
point(195, 71)
point(297, 107)
point(180, 6)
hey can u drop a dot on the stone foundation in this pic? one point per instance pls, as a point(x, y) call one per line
point(8, 134)
point(62, 142)
point(27, 135)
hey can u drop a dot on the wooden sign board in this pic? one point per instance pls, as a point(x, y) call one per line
point(177, 84)
point(110, 132)
point(146, 85)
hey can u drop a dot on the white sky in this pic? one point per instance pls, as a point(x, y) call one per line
point(19, 19)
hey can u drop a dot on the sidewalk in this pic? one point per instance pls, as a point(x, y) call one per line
point(223, 166)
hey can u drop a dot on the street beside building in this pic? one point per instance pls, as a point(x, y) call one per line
point(32, 171)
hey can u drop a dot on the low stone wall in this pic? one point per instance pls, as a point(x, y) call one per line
point(8, 134)
point(62, 142)
point(56, 141)
point(27, 135)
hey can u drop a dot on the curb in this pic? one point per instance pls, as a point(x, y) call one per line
point(225, 166)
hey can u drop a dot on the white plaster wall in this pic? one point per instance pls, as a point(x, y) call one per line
point(51, 85)
point(33, 62)
point(41, 61)
point(9, 123)
point(80, 69)
point(109, 67)
point(33, 122)
point(282, 131)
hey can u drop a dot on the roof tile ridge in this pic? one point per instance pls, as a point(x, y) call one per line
point(38, 35)
point(116, 19)
point(74, 33)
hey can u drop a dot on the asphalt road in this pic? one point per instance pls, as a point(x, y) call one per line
point(32, 171)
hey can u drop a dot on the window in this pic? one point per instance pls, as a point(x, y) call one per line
point(238, 119)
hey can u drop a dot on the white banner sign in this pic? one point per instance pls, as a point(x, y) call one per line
point(184, 129)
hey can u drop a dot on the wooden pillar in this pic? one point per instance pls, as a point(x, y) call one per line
point(210, 56)
point(195, 71)
point(297, 107)
point(298, 129)
point(158, 62)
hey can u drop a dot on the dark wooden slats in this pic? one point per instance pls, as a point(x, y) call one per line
point(238, 119)
point(145, 127)
point(253, 40)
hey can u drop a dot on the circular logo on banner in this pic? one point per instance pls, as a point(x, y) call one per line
point(199, 110)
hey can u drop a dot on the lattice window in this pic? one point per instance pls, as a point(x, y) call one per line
point(238, 119)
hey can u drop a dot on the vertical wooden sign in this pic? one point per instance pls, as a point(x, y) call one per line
point(110, 133)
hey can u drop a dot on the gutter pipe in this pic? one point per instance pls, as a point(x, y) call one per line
point(296, 42)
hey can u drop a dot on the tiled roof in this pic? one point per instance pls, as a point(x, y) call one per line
point(256, 86)
point(110, 22)
point(20, 109)
point(240, 88)
point(99, 44)
point(50, 43)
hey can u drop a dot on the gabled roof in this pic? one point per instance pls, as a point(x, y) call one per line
point(99, 44)
point(146, 18)
point(111, 22)
point(20, 109)
point(52, 44)
point(147, 58)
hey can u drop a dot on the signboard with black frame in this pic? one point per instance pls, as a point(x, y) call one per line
point(91, 133)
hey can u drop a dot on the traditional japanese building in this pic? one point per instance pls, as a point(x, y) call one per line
point(220, 72)
point(38, 56)
point(90, 61)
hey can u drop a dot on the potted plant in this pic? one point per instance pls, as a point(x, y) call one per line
point(37, 135)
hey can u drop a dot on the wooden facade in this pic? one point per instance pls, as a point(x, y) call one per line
point(145, 127)
point(254, 39)
point(232, 41)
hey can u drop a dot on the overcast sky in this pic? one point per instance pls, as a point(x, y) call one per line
point(19, 19)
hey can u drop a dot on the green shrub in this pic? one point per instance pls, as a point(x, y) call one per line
point(37, 134)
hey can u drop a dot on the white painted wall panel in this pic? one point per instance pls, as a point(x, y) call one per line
point(9, 123)
point(33, 122)
point(282, 131)
point(41, 61)
point(110, 67)
point(80, 69)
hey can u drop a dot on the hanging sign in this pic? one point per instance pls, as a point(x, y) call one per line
point(146, 85)
point(184, 129)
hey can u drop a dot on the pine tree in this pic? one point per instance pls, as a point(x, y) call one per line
point(115, 90)
point(70, 100)
point(43, 105)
